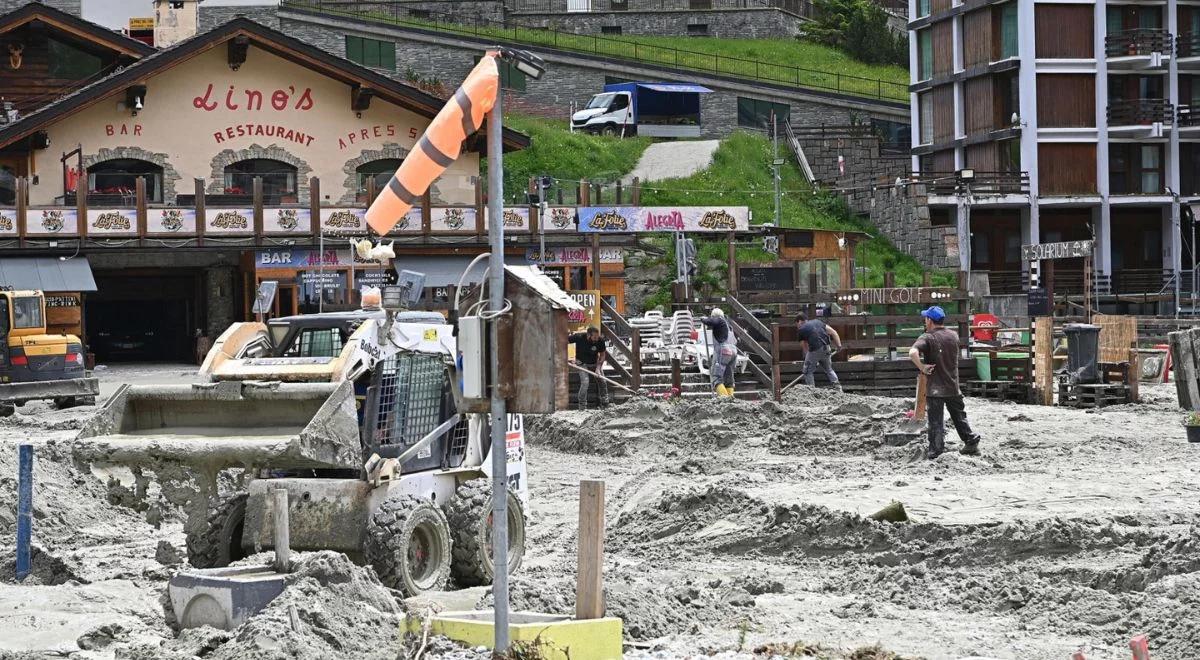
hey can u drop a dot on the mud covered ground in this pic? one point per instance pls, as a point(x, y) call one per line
point(732, 527)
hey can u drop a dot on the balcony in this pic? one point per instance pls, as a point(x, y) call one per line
point(1187, 49)
point(981, 184)
point(1189, 120)
point(1140, 117)
point(1138, 49)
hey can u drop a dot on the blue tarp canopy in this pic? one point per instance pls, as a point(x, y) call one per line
point(675, 87)
point(659, 100)
point(49, 274)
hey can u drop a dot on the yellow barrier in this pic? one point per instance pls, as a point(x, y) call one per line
point(554, 637)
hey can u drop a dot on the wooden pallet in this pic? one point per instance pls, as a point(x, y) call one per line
point(1096, 395)
point(999, 390)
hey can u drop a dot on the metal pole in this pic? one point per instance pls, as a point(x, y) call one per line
point(542, 222)
point(24, 508)
point(775, 164)
point(499, 417)
point(321, 271)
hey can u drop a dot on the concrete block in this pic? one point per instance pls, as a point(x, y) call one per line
point(222, 597)
point(554, 636)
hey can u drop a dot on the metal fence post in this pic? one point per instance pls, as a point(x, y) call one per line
point(24, 508)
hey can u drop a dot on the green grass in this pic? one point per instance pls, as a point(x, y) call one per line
point(740, 174)
point(780, 61)
point(555, 151)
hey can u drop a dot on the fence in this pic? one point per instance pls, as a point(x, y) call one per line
point(802, 8)
point(627, 49)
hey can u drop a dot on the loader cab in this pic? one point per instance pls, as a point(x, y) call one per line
point(27, 352)
point(324, 335)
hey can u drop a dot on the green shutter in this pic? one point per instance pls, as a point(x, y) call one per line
point(515, 79)
point(387, 56)
point(370, 52)
point(354, 49)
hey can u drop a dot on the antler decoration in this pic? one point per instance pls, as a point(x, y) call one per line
point(14, 54)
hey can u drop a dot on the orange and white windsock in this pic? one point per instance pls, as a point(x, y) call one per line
point(438, 147)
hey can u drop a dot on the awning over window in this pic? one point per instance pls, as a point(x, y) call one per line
point(49, 274)
point(445, 271)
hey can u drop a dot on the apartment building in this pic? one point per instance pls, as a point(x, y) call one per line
point(1037, 122)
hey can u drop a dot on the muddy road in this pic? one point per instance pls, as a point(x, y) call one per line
point(731, 526)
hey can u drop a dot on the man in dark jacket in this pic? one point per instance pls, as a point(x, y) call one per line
point(724, 353)
point(590, 351)
point(820, 342)
point(936, 354)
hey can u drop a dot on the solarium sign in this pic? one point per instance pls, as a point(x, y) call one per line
point(629, 219)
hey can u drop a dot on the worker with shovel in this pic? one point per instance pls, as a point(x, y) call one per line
point(590, 352)
point(936, 354)
point(820, 342)
point(724, 354)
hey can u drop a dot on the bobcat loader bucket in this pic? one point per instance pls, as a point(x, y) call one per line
point(226, 424)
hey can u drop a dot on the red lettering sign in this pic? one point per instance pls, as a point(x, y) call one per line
point(263, 130)
point(123, 129)
point(280, 99)
point(378, 130)
point(671, 220)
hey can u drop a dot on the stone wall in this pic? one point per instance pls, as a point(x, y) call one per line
point(750, 23)
point(570, 79)
point(211, 17)
point(69, 6)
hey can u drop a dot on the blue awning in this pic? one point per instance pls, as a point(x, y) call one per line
point(675, 87)
point(49, 274)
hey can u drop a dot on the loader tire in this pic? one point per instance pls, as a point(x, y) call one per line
point(220, 542)
point(408, 544)
point(470, 516)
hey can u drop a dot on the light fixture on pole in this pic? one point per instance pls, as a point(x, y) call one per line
point(533, 67)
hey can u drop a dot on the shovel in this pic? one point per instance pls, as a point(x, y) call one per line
point(910, 429)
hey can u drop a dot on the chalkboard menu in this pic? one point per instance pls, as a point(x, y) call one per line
point(1039, 302)
point(766, 278)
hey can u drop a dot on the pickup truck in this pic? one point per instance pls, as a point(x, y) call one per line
point(643, 108)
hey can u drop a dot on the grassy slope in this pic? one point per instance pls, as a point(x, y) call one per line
point(784, 61)
point(739, 175)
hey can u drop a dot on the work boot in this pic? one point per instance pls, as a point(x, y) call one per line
point(730, 390)
point(935, 449)
point(721, 391)
point(970, 448)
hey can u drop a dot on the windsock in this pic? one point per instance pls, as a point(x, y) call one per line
point(438, 147)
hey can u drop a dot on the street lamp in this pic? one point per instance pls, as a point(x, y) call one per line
point(533, 67)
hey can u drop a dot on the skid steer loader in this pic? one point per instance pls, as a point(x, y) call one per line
point(355, 414)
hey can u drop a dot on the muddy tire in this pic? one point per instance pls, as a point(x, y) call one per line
point(408, 544)
point(609, 130)
point(64, 402)
point(470, 516)
point(219, 543)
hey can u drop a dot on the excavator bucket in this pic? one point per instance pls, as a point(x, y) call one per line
point(250, 424)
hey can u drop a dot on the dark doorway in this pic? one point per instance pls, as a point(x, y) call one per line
point(145, 315)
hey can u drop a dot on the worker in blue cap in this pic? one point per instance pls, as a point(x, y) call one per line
point(936, 354)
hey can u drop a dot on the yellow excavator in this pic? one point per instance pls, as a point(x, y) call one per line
point(35, 364)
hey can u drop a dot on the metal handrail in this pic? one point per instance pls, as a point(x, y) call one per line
point(1136, 112)
point(1139, 41)
point(1189, 115)
point(772, 72)
point(802, 8)
point(982, 183)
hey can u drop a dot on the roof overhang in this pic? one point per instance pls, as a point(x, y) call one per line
point(259, 36)
point(81, 30)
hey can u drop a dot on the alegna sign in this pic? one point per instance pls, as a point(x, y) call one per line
point(625, 219)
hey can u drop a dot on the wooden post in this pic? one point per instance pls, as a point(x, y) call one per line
point(314, 205)
point(279, 513)
point(585, 193)
point(731, 257)
point(635, 339)
point(1184, 364)
point(426, 213)
point(635, 193)
point(776, 377)
point(22, 207)
point(1043, 358)
point(619, 196)
point(139, 188)
point(889, 281)
point(1135, 375)
point(589, 593)
point(596, 262)
point(258, 206)
point(677, 375)
point(201, 221)
point(81, 206)
point(371, 191)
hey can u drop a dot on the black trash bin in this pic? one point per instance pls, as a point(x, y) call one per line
point(1083, 352)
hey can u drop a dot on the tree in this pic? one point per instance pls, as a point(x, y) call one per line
point(859, 27)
